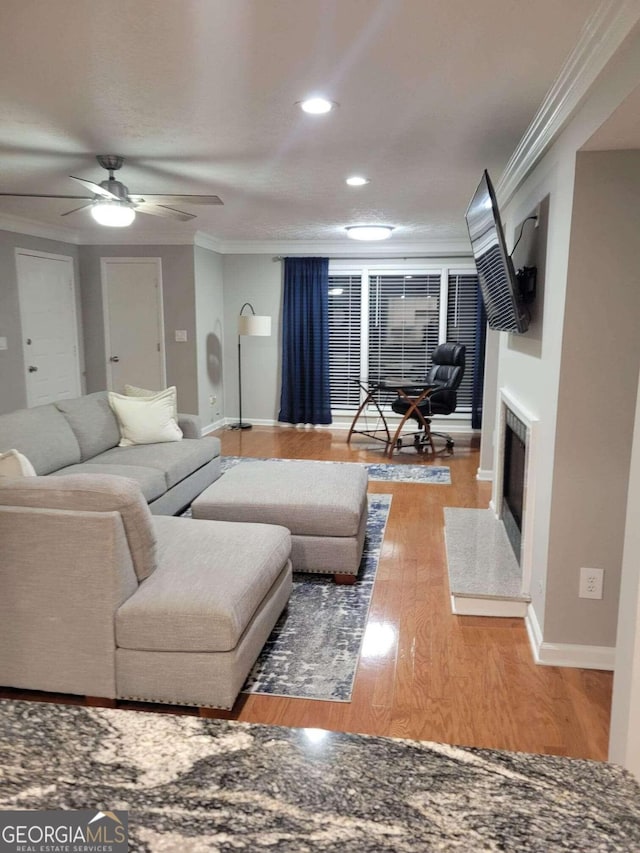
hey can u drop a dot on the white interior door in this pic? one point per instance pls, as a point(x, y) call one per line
point(134, 338)
point(46, 292)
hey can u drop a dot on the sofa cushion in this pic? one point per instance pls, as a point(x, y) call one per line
point(150, 480)
point(211, 578)
point(43, 435)
point(310, 498)
point(176, 459)
point(92, 421)
point(91, 493)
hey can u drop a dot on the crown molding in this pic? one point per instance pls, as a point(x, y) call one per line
point(33, 228)
point(601, 37)
point(336, 249)
point(207, 241)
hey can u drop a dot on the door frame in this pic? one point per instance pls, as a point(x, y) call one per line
point(35, 253)
point(104, 262)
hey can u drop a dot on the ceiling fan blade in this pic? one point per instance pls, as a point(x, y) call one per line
point(75, 209)
point(95, 188)
point(161, 210)
point(32, 195)
point(159, 198)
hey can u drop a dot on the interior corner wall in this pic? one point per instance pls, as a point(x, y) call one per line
point(256, 279)
point(13, 389)
point(209, 296)
point(178, 291)
point(596, 397)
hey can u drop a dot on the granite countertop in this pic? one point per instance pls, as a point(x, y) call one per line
point(194, 784)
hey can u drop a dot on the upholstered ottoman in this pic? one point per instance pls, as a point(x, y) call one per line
point(323, 505)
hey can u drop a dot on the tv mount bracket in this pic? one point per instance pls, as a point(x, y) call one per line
point(526, 277)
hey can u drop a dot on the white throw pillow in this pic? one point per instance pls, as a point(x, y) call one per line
point(146, 420)
point(15, 464)
point(134, 391)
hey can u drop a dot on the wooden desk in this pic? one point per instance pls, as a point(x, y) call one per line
point(375, 393)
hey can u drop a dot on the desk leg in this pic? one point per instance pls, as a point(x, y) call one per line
point(363, 405)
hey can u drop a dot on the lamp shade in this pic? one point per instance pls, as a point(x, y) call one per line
point(254, 325)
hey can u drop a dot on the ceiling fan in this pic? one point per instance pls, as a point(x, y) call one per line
point(111, 204)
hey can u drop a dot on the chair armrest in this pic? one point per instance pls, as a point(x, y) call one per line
point(190, 426)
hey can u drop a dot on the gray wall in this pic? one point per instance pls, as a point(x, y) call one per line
point(13, 392)
point(256, 279)
point(209, 333)
point(596, 396)
point(178, 290)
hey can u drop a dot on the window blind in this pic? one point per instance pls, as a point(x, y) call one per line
point(403, 324)
point(345, 311)
point(461, 327)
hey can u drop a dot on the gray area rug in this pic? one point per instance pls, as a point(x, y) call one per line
point(480, 558)
point(378, 471)
point(192, 785)
point(313, 651)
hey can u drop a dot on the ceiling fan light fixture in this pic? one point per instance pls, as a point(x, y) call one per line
point(369, 232)
point(115, 214)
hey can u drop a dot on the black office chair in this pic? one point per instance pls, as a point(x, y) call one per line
point(445, 376)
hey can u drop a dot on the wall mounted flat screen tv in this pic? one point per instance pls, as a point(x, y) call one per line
point(499, 284)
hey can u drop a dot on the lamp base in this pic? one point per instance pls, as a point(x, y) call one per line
point(240, 425)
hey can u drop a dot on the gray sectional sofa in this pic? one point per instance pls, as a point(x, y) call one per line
point(81, 435)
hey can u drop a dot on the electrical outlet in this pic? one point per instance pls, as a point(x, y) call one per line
point(212, 400)
point(591, 582)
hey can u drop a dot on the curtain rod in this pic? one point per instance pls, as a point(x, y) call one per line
point(381, 257)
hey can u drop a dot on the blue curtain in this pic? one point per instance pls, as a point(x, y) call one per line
point(478, 363)
point(305, 397)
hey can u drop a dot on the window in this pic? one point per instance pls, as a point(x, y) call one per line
point(387, 322)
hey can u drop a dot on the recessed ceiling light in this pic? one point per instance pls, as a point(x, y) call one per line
point(369, 232)
point(357, 181)
point(317, 106)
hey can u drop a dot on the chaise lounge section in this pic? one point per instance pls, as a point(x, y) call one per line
point(102, 599)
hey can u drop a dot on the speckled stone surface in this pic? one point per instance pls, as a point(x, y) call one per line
point(480, 558)
point(193, 785)
point(379, 471)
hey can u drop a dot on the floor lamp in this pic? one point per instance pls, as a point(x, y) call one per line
point(251, 325)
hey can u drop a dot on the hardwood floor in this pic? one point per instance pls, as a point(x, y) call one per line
point(425, 673)
point(429, 674)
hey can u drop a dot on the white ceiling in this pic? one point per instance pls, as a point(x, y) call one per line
point(199, 96)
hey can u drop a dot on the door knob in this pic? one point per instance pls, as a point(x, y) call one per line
point(115, 358)
point(32, 369)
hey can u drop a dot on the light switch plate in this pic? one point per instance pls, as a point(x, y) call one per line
point(3, 343)
point(181, 336)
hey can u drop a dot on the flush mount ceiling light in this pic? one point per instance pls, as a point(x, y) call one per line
point(357, 181)
point(369, 232)
point(317, 106)
point(116, 214)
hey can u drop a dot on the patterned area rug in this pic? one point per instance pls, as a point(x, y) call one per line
point(194, 785)
point(313, 650)
point(378, 471)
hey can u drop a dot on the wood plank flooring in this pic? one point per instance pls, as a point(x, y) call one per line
point(425, 673)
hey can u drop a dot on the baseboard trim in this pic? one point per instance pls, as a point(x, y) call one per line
point(205, 430)
point(566, 654)
point(507, 608)
point(485, 474)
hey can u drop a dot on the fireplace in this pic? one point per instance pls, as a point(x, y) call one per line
point(513, 493)
point(513, 479)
